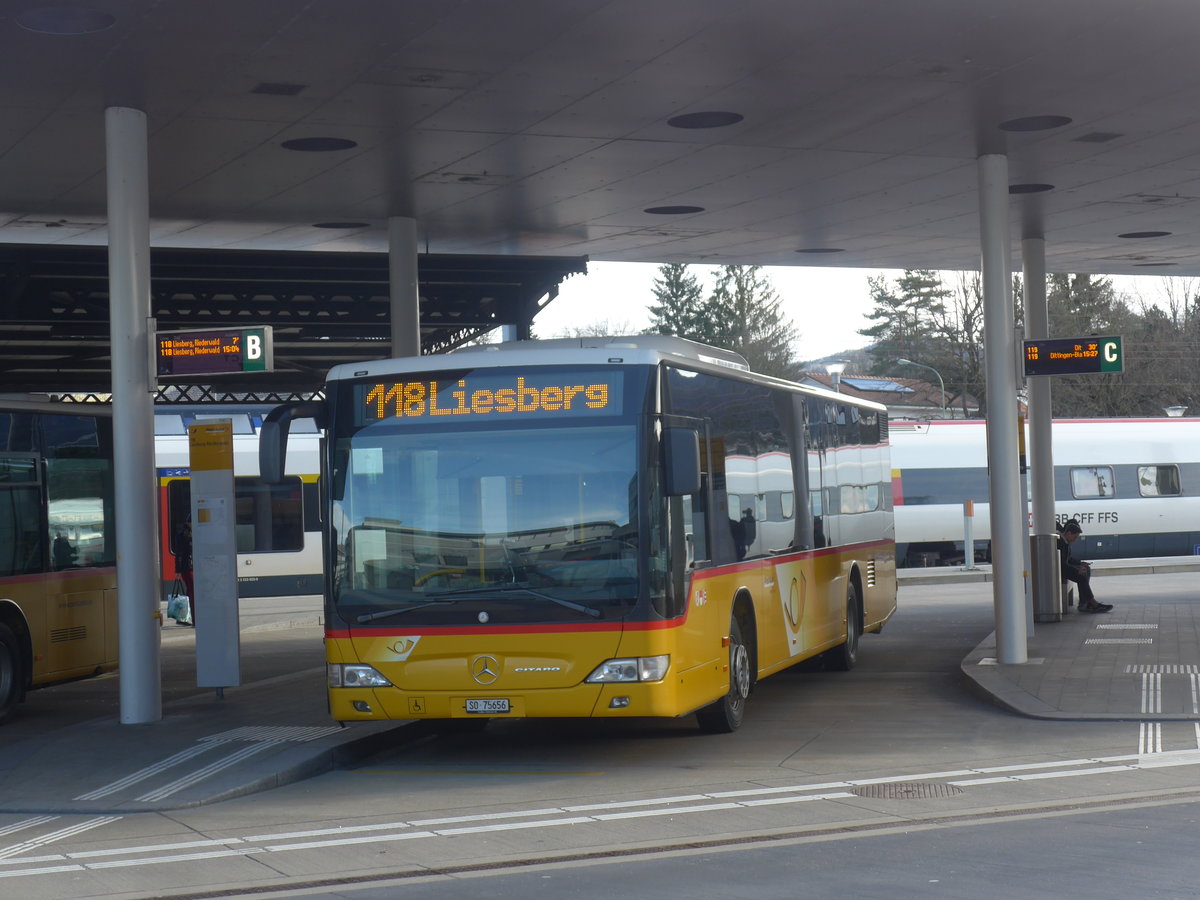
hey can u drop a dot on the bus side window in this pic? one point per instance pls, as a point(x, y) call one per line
point(20, 547)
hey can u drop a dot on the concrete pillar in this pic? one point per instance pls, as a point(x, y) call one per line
point(402, 274)
point(133, 415)
point(1037, 327)
point(1007, 517)
point(1045, 569)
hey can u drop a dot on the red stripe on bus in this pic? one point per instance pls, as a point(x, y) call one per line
point(455, 630)
point(68, 574)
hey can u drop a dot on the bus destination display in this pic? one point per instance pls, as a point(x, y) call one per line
point(1074, 356)
point(490, 395)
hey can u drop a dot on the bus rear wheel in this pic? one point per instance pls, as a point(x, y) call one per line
point(845, 656)
point(726, 714)
point(11, 674)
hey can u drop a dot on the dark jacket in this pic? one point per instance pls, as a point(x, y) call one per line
point(1071, 567)
point(183, 548)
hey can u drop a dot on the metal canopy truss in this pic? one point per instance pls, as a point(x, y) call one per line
point(325, 308)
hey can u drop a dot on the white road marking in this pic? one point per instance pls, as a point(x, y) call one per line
point(553, 817)
point(148, 771)
point(61, 834)
point(1150, 738)
point(260, 737)
point(27, 823)
point(200, 774)
point(1152, 693)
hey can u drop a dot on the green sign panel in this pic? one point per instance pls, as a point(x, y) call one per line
point(1074, 356)
point(218, 352)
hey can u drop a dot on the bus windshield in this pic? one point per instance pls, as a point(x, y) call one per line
point(529, 525)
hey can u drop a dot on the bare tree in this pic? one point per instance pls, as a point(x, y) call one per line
point(598, 328)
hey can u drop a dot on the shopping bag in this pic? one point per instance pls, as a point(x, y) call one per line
point(178, 606)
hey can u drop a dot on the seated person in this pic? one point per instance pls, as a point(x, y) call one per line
point(1077, 570)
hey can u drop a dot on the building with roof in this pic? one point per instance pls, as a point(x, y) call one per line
point(905, 398)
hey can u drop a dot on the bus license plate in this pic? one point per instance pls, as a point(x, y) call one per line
point(490, 705)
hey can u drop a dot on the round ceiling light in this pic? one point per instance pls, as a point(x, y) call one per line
point(1035, 123)
point(673, 210)
point(65, 20)
point(318, 144)
point(1143, 234)
point(1029, 188)
point(712, 119)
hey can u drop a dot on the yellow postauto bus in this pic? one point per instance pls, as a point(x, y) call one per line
point(58, 600)
point(597, 527)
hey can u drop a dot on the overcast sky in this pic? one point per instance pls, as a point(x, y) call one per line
point(827, 305)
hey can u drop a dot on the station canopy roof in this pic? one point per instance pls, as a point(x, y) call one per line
point(772, 132)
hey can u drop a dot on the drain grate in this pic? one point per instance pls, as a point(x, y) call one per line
point(907, 790)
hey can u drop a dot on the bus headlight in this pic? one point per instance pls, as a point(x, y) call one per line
point(640, 668)
point(349, 676)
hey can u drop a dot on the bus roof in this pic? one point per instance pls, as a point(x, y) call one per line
point(642, 348)
point(646, 349)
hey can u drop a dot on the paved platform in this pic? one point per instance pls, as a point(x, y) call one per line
point(1139, 662)
point(66, 750)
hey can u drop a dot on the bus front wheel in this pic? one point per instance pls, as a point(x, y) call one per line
point(726, 714)
point(11, 675)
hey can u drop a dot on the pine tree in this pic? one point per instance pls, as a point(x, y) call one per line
point(678, 294)
point(906, 319)
point(743, 314)
point(1080, 306)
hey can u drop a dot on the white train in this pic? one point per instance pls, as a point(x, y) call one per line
point(1133, 484)
point(277, 527)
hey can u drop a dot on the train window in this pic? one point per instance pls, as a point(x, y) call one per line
point(239, 421)
point(1090, 482)
point(304, 426)
point(270, 517)
point(1158, 481)
point(168, 423)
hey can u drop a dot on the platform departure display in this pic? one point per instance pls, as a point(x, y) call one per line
point(217, 352)
point(1074, 356)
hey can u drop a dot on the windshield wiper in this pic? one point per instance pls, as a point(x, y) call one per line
point(511, 588)
point(382, 614)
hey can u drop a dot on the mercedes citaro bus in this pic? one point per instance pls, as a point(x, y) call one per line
point(596, 527)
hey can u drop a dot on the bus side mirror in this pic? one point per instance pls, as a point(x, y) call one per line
point(273, 436)
point(681, 447)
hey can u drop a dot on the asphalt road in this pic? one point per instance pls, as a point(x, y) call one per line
point(892, 780)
